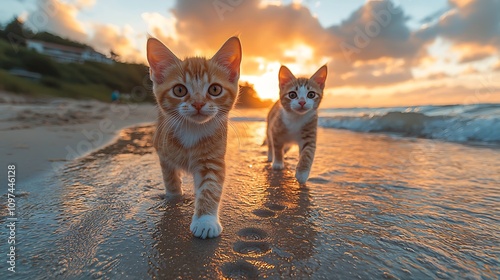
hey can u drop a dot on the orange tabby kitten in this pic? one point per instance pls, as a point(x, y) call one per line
point(194, 97)
point(293, 119)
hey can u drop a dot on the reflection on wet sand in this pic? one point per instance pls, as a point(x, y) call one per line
point(295, 234)
point(174, 251)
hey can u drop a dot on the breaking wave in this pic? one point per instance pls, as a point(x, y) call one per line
point(467, 123)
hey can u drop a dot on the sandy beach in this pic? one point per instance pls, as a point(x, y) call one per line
point(41, 135)
point(376, 206)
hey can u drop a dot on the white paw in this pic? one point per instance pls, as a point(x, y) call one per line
point(278, 165)
point(173, 195)
point(206, 226)
point(302, 176)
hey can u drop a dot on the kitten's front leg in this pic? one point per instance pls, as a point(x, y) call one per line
point(269, 142)
point(307, 151)
point(171, 179)
point(208, 191)
point(278, 155)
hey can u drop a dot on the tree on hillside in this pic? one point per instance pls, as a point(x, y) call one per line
point(248, 97)
point(114, 56)
point(15, 32)
point(15, 26)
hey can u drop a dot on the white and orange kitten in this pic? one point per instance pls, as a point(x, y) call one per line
point(294, 118)
point(194, 98)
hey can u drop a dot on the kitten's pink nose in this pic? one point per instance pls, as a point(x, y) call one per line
point(198, 105)
point(302, 103)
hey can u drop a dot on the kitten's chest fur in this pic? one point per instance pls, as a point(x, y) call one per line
point(190, 135)
point(182, 144)
point(293, 125)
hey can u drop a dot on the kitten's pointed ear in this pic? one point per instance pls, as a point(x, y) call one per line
point(159, 58)
point(285, 76)
point(320, 76)
point(229, 56)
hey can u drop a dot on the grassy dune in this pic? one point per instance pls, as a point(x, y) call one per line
point(86, 80)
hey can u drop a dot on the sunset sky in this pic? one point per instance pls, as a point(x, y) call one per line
point(379, 53)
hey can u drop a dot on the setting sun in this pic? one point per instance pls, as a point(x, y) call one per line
point(299, 59)
point(265, 84)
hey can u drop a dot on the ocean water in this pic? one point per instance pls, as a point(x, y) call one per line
point(376, 206)
point(478, 123)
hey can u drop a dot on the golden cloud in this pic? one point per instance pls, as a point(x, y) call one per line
point(57, 17)
point(109, 37)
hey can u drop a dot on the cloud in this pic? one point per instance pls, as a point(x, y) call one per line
point(372, 79)
point(56, 17)
point(84, 4)
point(472, 21)
point(473, 26)
point(445, 94)
point(377, 29)
point(433, 17)
point(496, 67)
point(470, 71)
point(473, 52)
point(437, 76)
point(108, 37)
point(374, 73)
point(267, 31)
point(164, 29)
point(435, 92)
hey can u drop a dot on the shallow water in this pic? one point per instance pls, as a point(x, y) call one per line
point(375, 206)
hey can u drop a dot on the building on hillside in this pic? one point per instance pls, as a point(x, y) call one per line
point(67, 54)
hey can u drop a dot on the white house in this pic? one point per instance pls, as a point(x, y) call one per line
point(67, 54)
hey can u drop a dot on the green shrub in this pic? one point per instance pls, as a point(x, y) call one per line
point(13, 87)
point(39, 63)
point(50, 82)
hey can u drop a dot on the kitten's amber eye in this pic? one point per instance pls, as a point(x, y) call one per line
point(292, 94)
point(215, 90)
point(179, 90)
point(311, 94)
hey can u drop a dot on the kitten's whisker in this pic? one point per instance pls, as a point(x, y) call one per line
point(158, 132)
point(230, 123)
point(164, 131)
point(238, 133)
point(177, 121)
point(164, 128)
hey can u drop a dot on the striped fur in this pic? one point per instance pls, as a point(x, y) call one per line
point(191, 134)
point(293, 120)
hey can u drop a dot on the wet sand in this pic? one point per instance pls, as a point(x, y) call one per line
point(375, 207)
